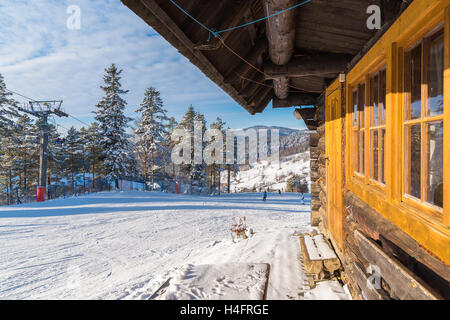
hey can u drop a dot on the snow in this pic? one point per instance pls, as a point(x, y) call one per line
point(328, 290)
point(261, 173)
point(318, 249)
point(229, 281)
point(126, 245)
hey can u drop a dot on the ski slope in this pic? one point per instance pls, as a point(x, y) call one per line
point(125, 245)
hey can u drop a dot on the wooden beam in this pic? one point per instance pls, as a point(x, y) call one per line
point(280, 32)
point(281, 87)
point(308, 65)
point(151, 13)
point(252, 86)
point(369, 292)
point(311, 124)
point(295, 100)
point(402, 283)
point(234, 17)
point(264, 102)
point(257, 96)
point(305, 113)
point(243, 68)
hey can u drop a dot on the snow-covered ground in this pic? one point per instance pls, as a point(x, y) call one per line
point(263, 175)
point(126, 245)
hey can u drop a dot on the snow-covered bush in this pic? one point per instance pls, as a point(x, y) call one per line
point(239, 228)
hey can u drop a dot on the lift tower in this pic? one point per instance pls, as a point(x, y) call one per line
point(42, 110)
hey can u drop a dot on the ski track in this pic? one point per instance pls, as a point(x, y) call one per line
point(125, 245)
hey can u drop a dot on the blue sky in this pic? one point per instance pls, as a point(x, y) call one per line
point(41, 58)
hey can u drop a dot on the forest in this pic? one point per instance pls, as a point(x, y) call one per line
point(97, 156)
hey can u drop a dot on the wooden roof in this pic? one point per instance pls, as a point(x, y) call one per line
point(328, 35)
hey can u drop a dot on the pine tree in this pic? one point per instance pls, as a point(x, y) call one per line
point(8, 165)
point(73, 155)
point(94, 152)
point(7, 112)
point(26, 151)
point(216, 169)
point(151, 133)
point(169, 144)
point(195, 171)
point(187, 123)
point(56, 157)
point(113, 124)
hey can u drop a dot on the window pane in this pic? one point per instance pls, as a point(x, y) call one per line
point(382, 99)
point(374, 100)
point(413, 82)
point(361, 152)
point(435, 157)
point(412, 153)
point(435, 104)
point(374, 173)
point(355, 108)
point(383, 134)
point(361, 104)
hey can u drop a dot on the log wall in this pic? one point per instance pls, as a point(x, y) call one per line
point(372, 244)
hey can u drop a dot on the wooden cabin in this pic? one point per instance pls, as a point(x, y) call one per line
point(377, 102)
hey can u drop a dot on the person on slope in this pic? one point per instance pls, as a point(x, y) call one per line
point(265, 196)
point(302, 197)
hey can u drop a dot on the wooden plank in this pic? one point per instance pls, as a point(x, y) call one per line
point(447, 117)
point(369, 292)
point(308, 65)
point(313, 267)
point(375, 224)
point(333, 152)
point(311, 124)
point(305, 113)
point(403, 284)
point(296, 100)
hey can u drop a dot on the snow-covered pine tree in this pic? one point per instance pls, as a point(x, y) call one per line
point(170, 127)
point(7, 112)
point(187, 123)
point(73, 155)
point(56, 157)
point(113, 124)
point(84, 155)
point(215, 169)
point(94, 153)
point(198, 171)
point(26, 152)
point(152, 134)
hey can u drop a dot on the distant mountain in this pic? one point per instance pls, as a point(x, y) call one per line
point(292, 141)
point(282, 130)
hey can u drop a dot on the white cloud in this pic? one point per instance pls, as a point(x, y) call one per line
point(42, 59)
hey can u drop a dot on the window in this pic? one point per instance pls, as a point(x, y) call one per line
point(376, 131)
point(358, 101)
point(423, 123)
point(377, 128)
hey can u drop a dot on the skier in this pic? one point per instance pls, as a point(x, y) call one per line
point(265, 196)
point(279, 192)
point(302, 198)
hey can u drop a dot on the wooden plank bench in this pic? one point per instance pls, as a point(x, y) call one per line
point(319, 260)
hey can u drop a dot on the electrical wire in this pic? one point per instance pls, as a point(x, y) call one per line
point(217, 33)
